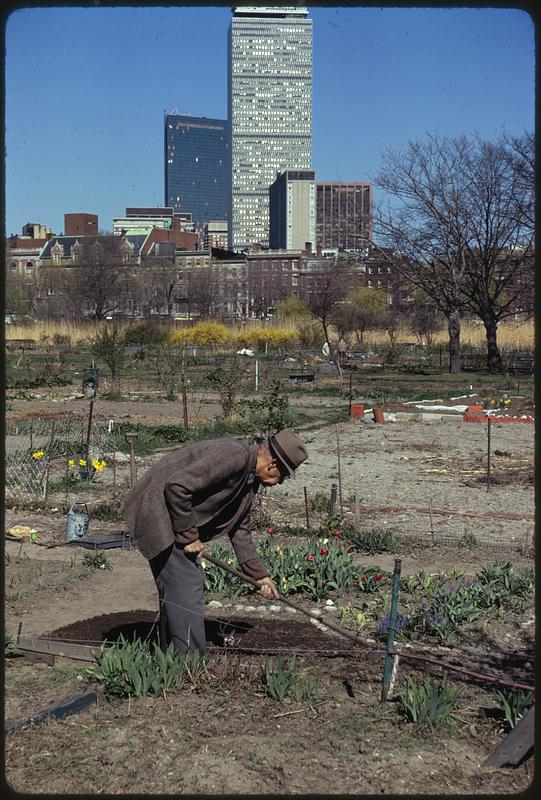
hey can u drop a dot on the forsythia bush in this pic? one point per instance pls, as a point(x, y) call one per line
point(203, 333)
point(274, 337)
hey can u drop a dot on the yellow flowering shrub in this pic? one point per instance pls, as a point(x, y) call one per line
point(208, 332)
point(274, 337)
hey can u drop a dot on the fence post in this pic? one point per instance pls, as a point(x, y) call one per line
point(392, 630)
point(131, 438)
point(334, 491)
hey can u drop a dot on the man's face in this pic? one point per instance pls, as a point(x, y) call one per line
point(269, 472)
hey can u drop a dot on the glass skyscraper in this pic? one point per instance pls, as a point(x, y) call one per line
point(197, 167)
point(270, 110)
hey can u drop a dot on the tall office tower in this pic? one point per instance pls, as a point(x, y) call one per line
point(292, 209)
point(270, 110)
point(197, 172)
point(344, 215)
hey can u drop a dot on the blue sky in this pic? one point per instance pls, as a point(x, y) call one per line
point(86, 90)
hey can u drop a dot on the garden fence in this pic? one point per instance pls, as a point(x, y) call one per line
point(39, 452)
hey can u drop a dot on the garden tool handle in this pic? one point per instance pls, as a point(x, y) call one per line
point(281, 599)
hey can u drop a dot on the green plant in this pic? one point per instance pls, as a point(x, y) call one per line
point(427, 703)
point(467, 541)
point(228, 381)
point(281, 680)
point(10, 648)
point(108, 344)
point(264, 417)
point(369, 580)
point(354, 617)
point(374, 541)
point(135, 668)
point(320, 502)
point(514, 705)
point(97, 561)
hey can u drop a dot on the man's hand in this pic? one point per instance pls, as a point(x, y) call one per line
point(268, 588)
point(194, 548)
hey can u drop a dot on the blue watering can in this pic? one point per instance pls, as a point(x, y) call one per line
point(78, 522)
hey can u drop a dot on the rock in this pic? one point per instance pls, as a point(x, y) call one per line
point(329, 603)
point(275, 608)
point(214, 604)
point(291, 610)
point(250, 608)
point(239, 607)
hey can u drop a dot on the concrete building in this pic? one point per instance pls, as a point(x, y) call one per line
point(344, 215)
point(80, 225)
point(197, 167)
point(292, 210)
point(215, 234)
point(269, 108)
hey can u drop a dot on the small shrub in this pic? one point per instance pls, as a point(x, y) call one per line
point(320, 502)
point(281, 680)
point(97, 561)
point(427, 703)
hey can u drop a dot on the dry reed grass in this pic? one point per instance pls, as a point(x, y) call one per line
point(511, 334)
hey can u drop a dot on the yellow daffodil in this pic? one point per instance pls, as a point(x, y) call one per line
point(71, 463)
point(98, 464)
point(82, 462)
point(38, 454)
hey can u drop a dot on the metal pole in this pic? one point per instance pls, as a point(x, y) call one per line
point(488, 455)
point(87, 446)
point(339, 470)
point(392, 630)
point(334, 489)
point(256, 374)
point(350, 394)
point(184, 404)
point(306, 508)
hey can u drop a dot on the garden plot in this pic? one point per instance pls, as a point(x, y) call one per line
point(458, 543)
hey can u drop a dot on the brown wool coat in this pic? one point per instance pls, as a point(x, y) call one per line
point(204, 485)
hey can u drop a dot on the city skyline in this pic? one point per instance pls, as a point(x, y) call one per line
point(86, 90)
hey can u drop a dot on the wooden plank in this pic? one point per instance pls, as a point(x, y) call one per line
point(80, 652)
point(516, 744)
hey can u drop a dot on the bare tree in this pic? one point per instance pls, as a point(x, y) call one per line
point(200, 289)
point(424, 236)
point(463, 230)
point(158, 282)
point(97, 280)
point(500, 216)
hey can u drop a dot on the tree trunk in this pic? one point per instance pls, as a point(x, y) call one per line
point(494, 360)
point(453, 327)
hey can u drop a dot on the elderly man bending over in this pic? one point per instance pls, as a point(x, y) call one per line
point(201, 491)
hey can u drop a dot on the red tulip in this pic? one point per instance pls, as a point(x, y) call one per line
point(349, 550)
point(309, 557)
point(377, 577)
point(271, 530)
point(323, 551)
point(363, 578)
point(338, 533)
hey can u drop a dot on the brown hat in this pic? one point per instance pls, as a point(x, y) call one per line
point(288, 449)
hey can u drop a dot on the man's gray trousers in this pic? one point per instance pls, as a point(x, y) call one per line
point(180, 580)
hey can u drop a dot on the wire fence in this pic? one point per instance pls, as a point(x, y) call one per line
point(41, 454)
